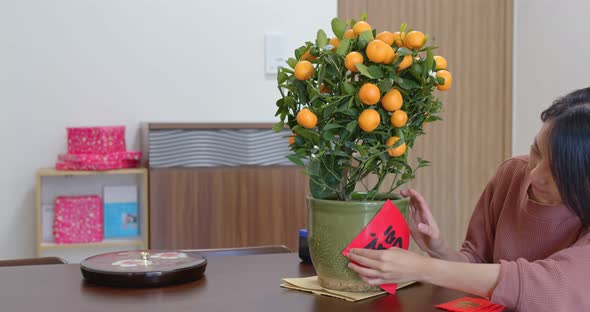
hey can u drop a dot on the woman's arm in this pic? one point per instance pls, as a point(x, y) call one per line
point(474, 278)
point(396, 265)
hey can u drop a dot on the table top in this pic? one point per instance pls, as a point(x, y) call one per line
point(231, 283)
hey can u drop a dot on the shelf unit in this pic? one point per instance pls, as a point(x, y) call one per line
point(52, 183)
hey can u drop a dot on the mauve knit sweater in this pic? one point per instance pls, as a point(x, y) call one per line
point(543, 253)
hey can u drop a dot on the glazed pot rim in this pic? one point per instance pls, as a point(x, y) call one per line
point(380, 199)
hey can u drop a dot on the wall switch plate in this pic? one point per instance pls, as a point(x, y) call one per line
point(275, 52)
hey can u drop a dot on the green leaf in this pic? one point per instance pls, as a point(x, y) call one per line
point(332, 126)
point(328, 111)
point(440, 80)
point(292, 62)
point(416, 71)
point(280, 102)
point(352, 126)
point(385, 85)
point(282, 77)
point(328, 136)
point(338, 27)
point(343, 47)
point(406, 84)
point(432, 118)
point(290, 101)
point(308, 134)
point(278, 126)
point(403, 51)
point(364, 71)
point(321, 40)
point(422, 163)
point(362, 150)
point(364, 16)
point(364, 39)
point(403, 27)
point(428, 64)
point(347, 88)
point(295, 159)
point(341, 154)
point(376, 71)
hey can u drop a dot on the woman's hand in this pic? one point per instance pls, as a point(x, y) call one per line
point(394, 265)
point(423, 227)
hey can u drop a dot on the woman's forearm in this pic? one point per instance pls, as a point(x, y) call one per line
point(475, 278)
point(449, 254)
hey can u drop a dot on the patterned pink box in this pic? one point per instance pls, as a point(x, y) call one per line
point(78, 219)
point(96, 166)
point(96, 140)
point(94, 158)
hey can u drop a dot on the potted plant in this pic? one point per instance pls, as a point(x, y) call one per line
point(356, 103)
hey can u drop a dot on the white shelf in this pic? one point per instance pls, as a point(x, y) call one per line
point(52, 183)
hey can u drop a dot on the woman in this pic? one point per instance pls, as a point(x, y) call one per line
point(527, 245)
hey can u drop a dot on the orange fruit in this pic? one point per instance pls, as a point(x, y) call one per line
point(361, 27)
point(350, 34)
point(369, 94)
point(307, 119)
point(369, 120)
point(324, 89)
point(390, 56)
point(414, 40)
point(399, 118)
point(398, 38)
point(440, 61)
point(292, 139)
point(377, 51)
point(395, 151)
point(392, 100)
point(386, 36)
point(308, 57)
point(448, 79)
point(406, 62)
point(304, 70)
point(335, 42)
point(352, 59)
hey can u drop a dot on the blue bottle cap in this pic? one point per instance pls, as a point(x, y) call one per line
point(303, 233)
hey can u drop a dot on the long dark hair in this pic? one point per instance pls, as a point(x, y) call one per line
point(569, 152)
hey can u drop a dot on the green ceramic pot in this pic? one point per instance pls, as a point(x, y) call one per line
point(332, 225)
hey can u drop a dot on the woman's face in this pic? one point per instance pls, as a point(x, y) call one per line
point(543, 188)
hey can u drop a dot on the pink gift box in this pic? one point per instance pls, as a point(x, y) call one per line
point(96, 166)
point(78, 219)
point(96, 140)
point(94, 158)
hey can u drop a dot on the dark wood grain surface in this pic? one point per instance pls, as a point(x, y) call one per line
point(192, 208)
point(233, 283)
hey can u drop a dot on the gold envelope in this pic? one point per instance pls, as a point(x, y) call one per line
point(310, 284)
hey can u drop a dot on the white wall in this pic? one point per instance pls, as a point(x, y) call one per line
point(84, 62)
point(551, 58)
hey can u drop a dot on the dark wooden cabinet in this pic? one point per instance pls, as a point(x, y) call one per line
point(225, 206)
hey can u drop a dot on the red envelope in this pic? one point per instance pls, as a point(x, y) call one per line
point(387, 229)
point(468, 304)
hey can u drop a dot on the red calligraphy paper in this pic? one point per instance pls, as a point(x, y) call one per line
point(387, 229)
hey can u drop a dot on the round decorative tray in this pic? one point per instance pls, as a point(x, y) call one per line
point(143, 268)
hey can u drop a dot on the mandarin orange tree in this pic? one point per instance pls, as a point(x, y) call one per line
point(356, 103)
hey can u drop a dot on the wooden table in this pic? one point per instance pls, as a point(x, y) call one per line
point(232, 283)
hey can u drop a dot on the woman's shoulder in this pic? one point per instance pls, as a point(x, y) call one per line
point(514, 167)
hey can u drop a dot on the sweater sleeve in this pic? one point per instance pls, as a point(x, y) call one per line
point(479, 240)
point(558, 283)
